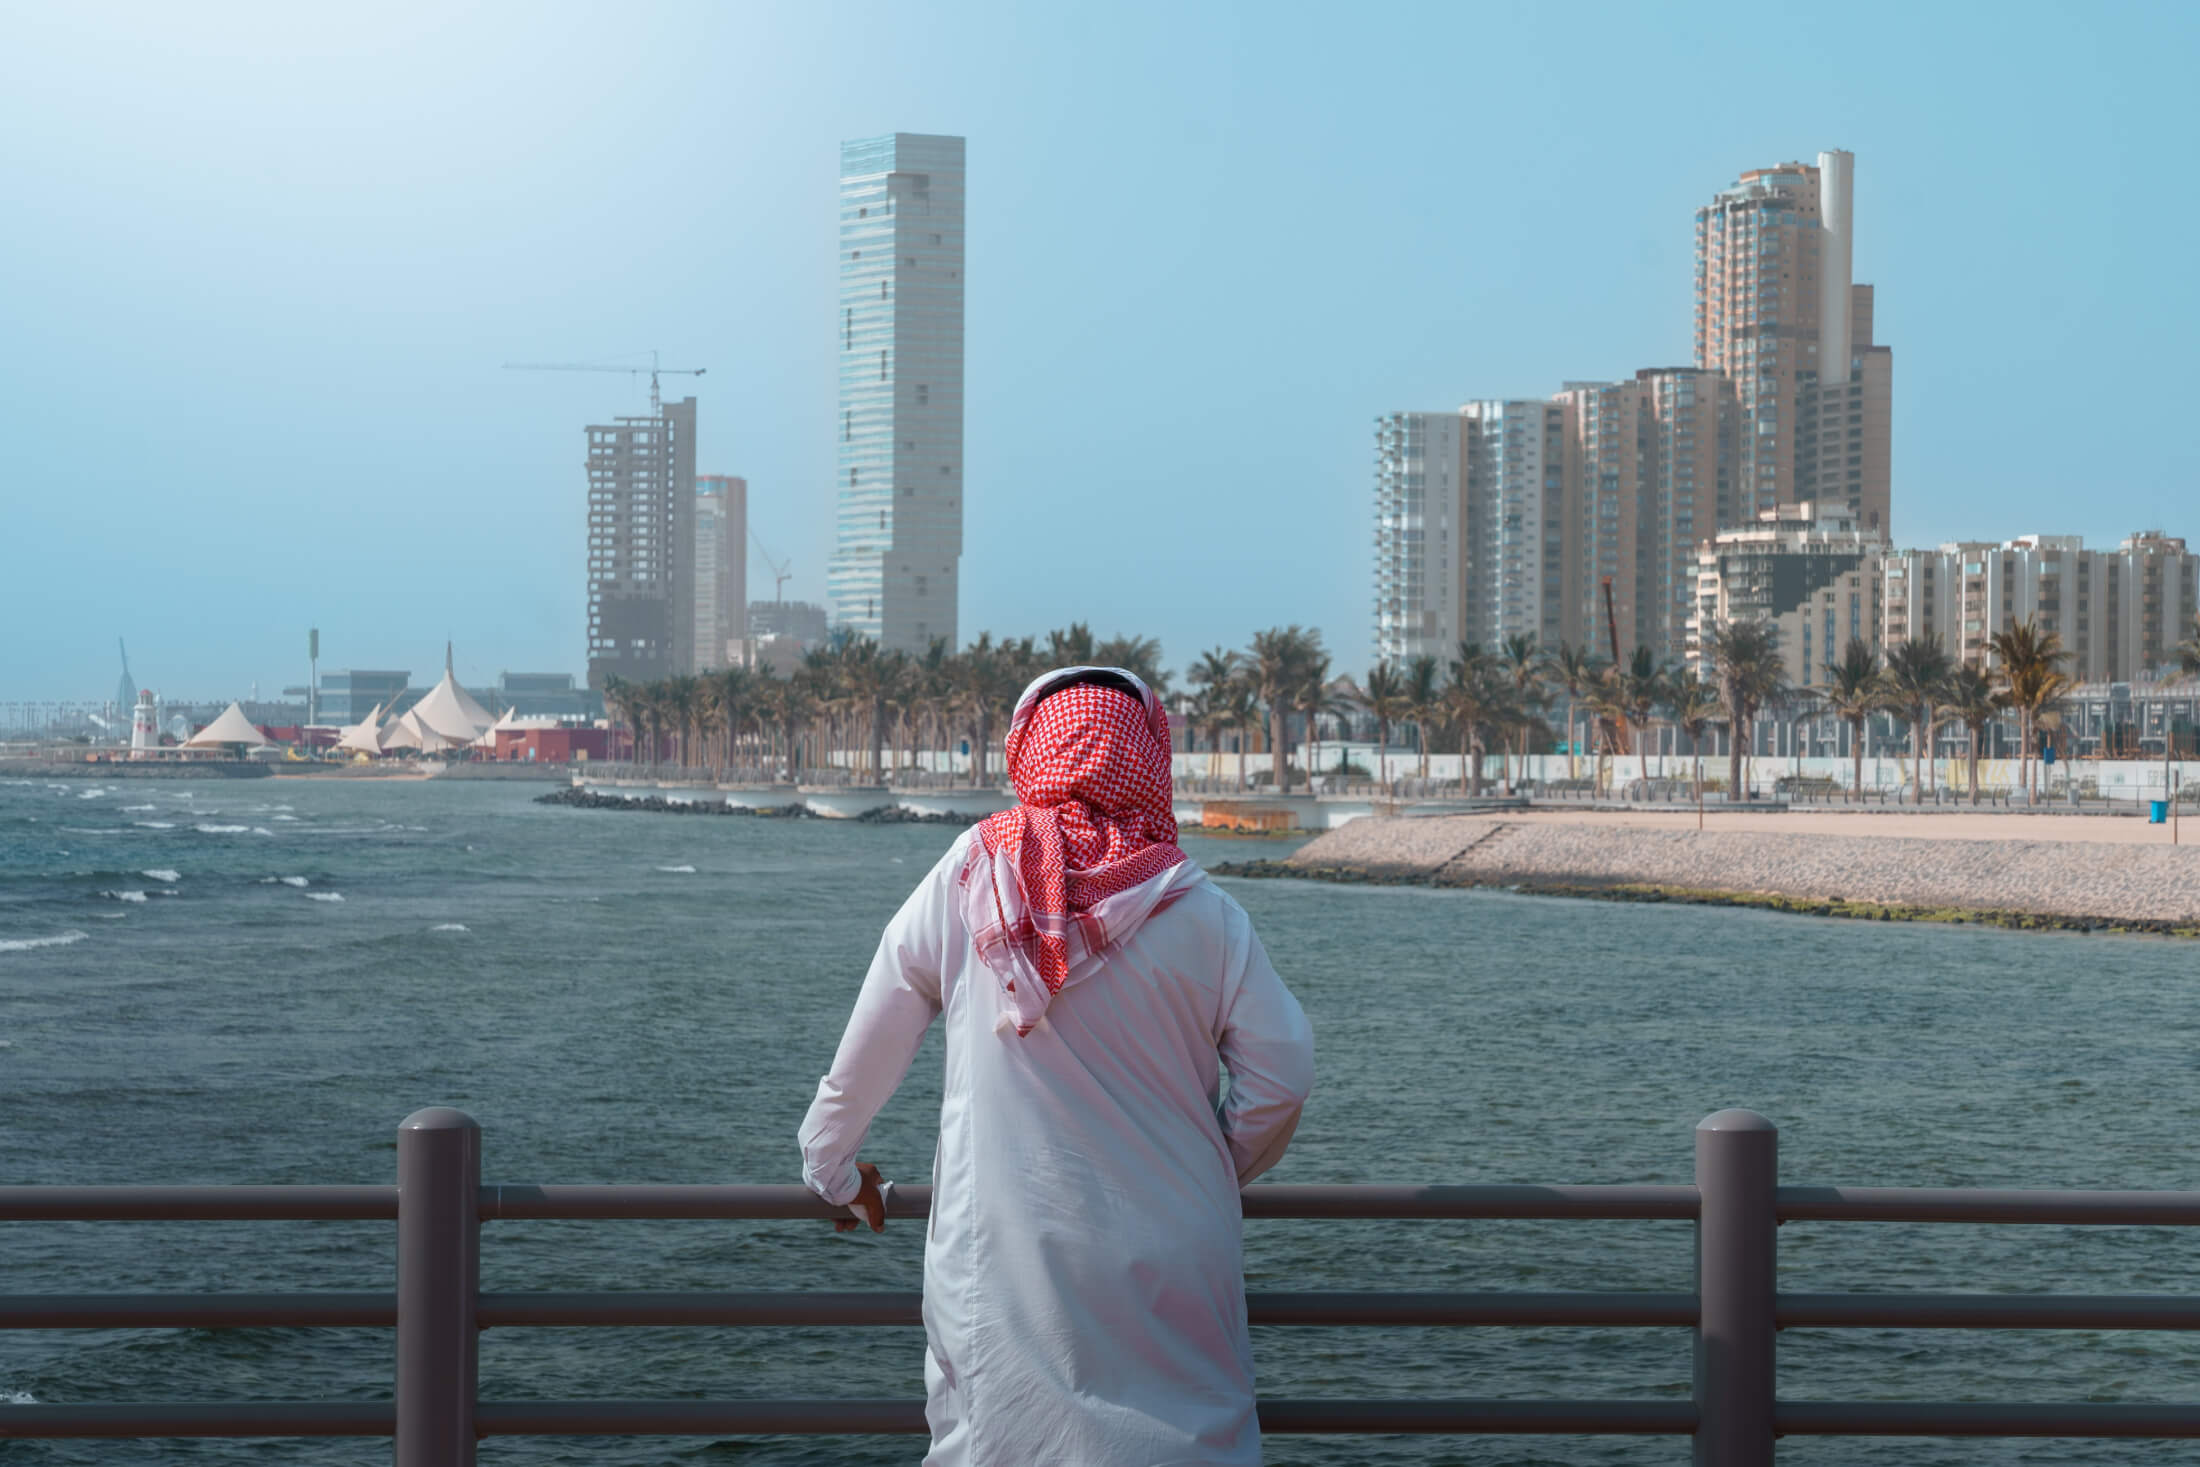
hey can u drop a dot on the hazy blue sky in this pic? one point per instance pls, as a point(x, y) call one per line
point(259, 266)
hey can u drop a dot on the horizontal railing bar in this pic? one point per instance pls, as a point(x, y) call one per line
point(197, 1311)
point(196, 1204)
point(1316, 1308)
point(821, 1308)
point(201, 1418)
point(1351, 1307)
point(1985, 1418)
point(1986, 1205)
point(511, 1200)
point(1493, 1201)
point(740, 1202)
point(1279, 1416)
point(1987, 1311)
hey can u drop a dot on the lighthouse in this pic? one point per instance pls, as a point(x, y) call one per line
point(144, 726)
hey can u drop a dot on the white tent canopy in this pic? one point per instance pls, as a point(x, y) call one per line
point(363, 737)
point(409, 731)
point(231, 728)
point(450, 711)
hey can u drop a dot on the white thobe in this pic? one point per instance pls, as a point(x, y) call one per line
point(1084, 1292)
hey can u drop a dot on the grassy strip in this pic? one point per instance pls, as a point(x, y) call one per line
point(1865, 911)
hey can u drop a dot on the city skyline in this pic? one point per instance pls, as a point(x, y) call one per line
point(263, 239)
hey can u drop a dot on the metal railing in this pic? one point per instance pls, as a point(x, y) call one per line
point(437, 1310)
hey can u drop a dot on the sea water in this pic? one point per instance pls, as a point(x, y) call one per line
point(631, 997)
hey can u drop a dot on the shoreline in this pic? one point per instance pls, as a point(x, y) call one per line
point(2065, 885)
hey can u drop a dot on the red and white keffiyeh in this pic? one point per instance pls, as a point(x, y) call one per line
point(1072, 865)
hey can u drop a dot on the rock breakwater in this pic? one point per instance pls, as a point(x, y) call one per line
point(581, 799)
point(2066, 885)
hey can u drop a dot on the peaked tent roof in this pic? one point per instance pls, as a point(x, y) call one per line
point(363, 737)
point(450, 711)
point(231, 728)
point(407, 731)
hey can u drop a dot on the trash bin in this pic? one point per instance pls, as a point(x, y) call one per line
point(2157, 812)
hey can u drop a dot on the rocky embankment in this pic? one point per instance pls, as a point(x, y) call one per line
point(2067, 885)
point(581, 799)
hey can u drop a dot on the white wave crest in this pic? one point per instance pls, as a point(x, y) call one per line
point(124, 896)
point(25, 944)
point(324, 896)
point(261, 830)
point(677, 870)
point(220, 829)
point(92, 794)
point(17, 1398)
point(135, 809)
point(448, 927)
point(299, 881)
point(156, 825)
point(163, 875)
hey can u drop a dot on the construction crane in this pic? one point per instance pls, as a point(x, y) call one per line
point(654, 371)
point(780, 570)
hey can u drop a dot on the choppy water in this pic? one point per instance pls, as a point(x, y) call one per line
point(630, 997)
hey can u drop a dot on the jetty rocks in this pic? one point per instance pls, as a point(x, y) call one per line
point(2063, 884)
point(581, 799)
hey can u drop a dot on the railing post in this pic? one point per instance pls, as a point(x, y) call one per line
point(1737, 1167)
point(438, 1278)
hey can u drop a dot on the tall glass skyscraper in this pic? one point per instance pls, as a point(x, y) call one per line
point(898, 533)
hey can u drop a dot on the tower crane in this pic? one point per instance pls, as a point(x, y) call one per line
point(780, 570)
point(654, 371)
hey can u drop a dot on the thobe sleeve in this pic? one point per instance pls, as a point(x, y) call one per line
point(1268, 1048)
point(900, 995)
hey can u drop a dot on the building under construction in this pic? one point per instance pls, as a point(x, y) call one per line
point(641, 546)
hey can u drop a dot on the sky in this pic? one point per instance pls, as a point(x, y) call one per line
point(260, 266)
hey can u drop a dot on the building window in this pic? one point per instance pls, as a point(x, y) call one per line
point(848, 330)
point(882, 365)
point(924, 394)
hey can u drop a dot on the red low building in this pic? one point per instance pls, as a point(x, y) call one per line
point(553, 745)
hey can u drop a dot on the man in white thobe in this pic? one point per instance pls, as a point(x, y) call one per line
point(1084, 1297)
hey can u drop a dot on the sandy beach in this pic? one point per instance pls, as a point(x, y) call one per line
point(2077, 870)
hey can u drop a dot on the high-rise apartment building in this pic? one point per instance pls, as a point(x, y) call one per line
point(2120, 613)
point(1420, 535)
point(898, 532)
point(1777, 311)
point(1810, 572)
point(641, 537)
point(1515, 521)
point(721, 569)
point(1469, 533)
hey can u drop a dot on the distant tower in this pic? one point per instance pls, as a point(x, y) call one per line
point(898, 531)
point(144, 725)
point(641, 545)
point(126, 690)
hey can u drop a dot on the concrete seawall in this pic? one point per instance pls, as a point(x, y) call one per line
point(2081, 884)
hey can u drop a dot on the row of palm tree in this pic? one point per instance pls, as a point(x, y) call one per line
point(854, 694)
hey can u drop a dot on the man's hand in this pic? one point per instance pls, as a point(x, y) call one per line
point(867, 1201)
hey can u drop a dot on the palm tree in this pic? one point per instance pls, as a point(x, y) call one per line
point(2028, 667)
point(618, 702)
point(1856, 688)
point(1070, 646)
point(2188, 651)
point(1388, 698)
point(1751, 674)
point(1693, 705)
point(1970, 699)
point(1277, 666)
point(1917, 675)
point(1522, 662)
point(1575, 670)
point(1425, 692)
point(1317, 700)
point(682, 701)
point(1640, 687)
point(1139, 655)
point(1476, 700)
